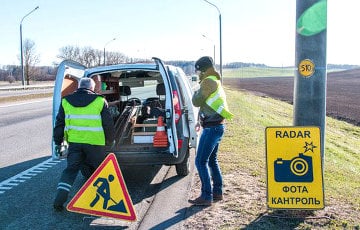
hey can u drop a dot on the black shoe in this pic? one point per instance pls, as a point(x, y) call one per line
point(218, 197)
point(58, 208)
point(200, 202)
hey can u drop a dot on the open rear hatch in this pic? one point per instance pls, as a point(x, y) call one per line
point(66, 82)
point(138, 95)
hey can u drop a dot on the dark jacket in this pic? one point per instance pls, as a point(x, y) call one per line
point(208, 117)
point(81, 98)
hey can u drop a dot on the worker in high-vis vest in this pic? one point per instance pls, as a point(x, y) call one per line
point(85, 123)
point(213, 111)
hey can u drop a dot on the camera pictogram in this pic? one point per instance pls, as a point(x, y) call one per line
point(298, 169)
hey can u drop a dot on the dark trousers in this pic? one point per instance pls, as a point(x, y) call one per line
point(78, 155)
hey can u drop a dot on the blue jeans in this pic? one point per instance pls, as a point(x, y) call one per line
point(207, 163)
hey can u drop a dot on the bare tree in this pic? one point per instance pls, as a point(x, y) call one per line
point(90, 57)
point(86, 56)
point(98, 57)
point(115, 58)
point(70, 53)
point(30, 60)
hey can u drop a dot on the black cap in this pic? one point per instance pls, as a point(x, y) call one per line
point(204, 63)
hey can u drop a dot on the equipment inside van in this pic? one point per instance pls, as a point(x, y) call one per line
point(150, 105)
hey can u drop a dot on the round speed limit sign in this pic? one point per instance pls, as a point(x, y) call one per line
point(306, 68)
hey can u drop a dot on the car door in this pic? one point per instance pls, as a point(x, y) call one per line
point(66, 82)
point(192, 110)
point(169, 111)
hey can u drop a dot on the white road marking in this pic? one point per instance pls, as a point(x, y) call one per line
point(8, 184)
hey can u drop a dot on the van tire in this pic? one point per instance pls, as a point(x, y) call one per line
point(183, 169)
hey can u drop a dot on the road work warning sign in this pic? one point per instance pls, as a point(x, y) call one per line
point(294, 168)
point(104, 193)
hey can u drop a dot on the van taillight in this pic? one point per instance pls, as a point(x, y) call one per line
point(180, 142)
point(176, 103)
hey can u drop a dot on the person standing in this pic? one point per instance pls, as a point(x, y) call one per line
point(213, 111)
point(84, 121)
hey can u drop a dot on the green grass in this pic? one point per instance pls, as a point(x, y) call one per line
point(243, 146)
point(249, 72)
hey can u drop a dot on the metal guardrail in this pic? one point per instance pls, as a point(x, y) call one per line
point(27, 87)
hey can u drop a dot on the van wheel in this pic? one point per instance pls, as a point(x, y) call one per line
point(183, 169)
point(87, 170)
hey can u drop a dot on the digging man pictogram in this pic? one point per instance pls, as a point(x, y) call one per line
point(103, 190)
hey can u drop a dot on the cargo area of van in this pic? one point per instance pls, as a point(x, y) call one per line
point(136, 102)
point(150, 104)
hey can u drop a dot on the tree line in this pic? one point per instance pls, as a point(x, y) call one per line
point(91, 57)
point(86, 56)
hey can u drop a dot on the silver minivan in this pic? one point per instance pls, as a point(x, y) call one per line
point(141, 96)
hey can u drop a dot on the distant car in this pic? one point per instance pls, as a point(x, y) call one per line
point(140, 93)
point(194, 78)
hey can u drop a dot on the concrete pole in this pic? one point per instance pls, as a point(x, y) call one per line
point(220, 36)
point(310, 60)
point(22, 58)
point(105, 46)
point(213, 47)
point(21, 48)
point(220, 49)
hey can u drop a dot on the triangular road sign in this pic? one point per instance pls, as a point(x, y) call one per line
point(104, 193)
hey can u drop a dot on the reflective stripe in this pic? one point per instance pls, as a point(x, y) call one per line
point(160, 128)
point(220, 109)
point(84, 124)
point(64, 186)
point(90, 117)
point(217, 100)
point(213, 99)
point(81, 128)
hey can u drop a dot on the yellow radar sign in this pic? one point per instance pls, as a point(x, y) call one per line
point(294, 168)
point(306, 68)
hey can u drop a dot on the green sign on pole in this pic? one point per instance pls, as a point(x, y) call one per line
point(313, 20)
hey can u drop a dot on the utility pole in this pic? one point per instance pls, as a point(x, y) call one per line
point(310, 60)
point(213, 46)
point(105, 46)
point(21, 48)
point(220, 35)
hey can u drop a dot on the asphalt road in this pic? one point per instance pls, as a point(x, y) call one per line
point(28, 180)
point(25, 131)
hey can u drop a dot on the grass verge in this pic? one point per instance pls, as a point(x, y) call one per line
point(243, 151)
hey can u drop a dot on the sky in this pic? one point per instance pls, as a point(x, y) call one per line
point(256, 31)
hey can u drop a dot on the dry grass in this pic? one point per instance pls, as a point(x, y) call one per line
point(242, 159)
point(22, 97)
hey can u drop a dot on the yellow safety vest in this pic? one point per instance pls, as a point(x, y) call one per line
point(84, 124)
point(217, 100)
